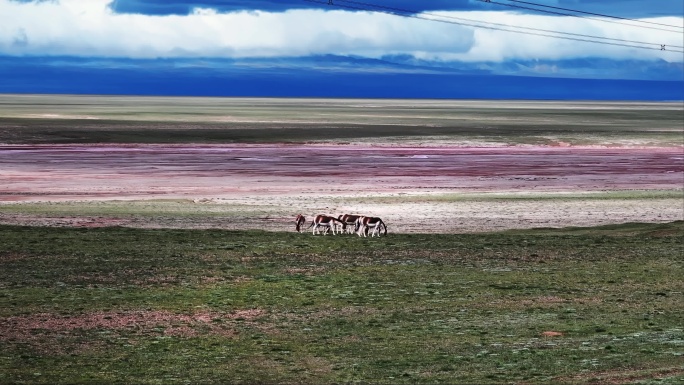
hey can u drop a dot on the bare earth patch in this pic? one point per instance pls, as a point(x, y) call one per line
point(43, 330)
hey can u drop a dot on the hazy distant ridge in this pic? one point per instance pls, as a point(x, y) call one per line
point(341, 76)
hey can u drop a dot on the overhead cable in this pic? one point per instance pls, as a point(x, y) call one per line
point(362, 6)
point(575, 15)
point(599, 14)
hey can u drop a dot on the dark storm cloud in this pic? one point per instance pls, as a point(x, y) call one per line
point(180, 7)
point(621, 8)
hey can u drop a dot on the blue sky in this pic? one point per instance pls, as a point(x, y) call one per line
point(438, 49)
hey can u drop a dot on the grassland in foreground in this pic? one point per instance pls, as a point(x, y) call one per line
point(121, 305)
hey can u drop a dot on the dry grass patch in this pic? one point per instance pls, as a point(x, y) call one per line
point(26, 328)
point(307, 271)
point(622, 376)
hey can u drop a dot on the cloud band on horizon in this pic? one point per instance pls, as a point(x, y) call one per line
point(91, 28)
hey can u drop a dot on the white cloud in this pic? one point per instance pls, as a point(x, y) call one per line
point(90, 28)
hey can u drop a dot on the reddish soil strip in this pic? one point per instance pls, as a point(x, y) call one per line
point(25, 327)
point(265, 186)
point(117, 172)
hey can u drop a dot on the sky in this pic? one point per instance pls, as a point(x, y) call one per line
point(543, 49)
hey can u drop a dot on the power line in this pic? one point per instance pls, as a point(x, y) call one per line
point(410, 13)
point(598, 14)
point(578, 16)
point(361, 6)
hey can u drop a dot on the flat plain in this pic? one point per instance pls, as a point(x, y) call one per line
point(256, 163)
point(151, 240)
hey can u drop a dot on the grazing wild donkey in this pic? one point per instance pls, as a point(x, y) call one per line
point(299, 221)
point(363, 224)
point(350, 221)
point(330, 223)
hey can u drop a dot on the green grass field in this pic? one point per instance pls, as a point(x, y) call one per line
point(123, 305)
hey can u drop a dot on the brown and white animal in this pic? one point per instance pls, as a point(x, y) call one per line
point(350, 221)
point(328, 222)
point(299, 221)
point(363, 224)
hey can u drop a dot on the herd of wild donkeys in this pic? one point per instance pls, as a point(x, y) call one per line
point(348, 223)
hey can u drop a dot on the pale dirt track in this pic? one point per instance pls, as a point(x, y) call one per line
point(444, 189)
